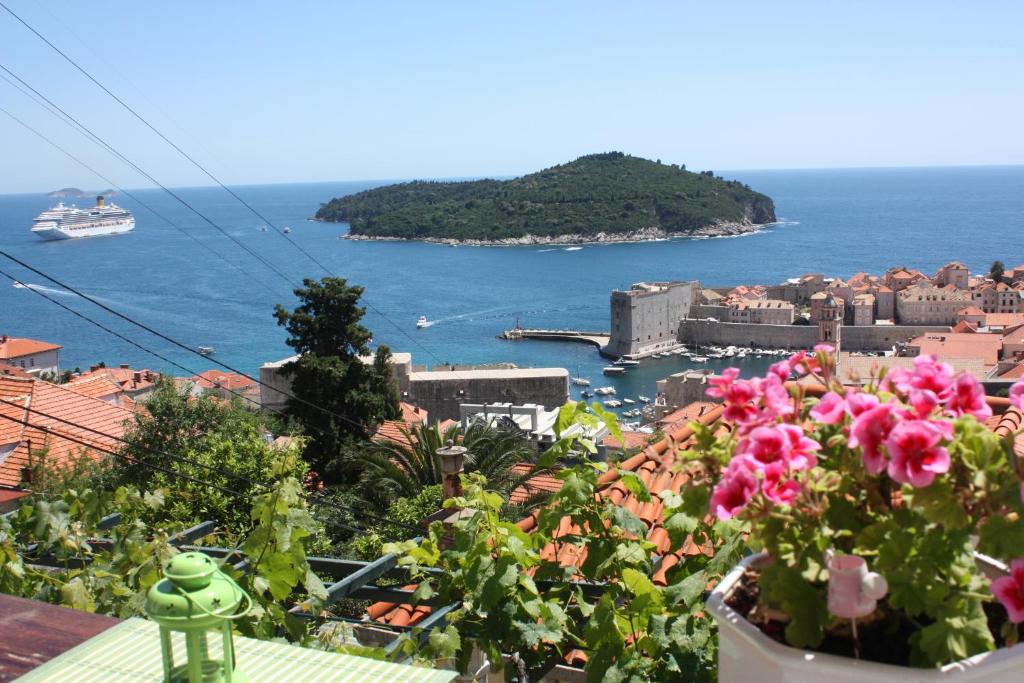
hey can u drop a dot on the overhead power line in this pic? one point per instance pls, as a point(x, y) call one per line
point(214, 178)
point(166, 454)
point(89, 133)
point(161, 335)
point(128, 194)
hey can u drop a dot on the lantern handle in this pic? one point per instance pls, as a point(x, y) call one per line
point(239, 615)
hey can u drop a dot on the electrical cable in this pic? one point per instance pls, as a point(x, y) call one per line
point(215, 179)
point(149, 177)
point(122, 456)
point(161, 335)
point(128, 194)
point(166, 454)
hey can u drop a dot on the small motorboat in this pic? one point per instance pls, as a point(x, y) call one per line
point(206, 350)
point(627, 362)
point(286, 230)
point(422, 322)
point(605, 391)
point(616, 370)
point(612, 403)
point(629, 401)
point(585, 394)
point(644, 399)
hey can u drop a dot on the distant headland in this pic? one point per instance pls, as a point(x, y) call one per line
point(610, 197)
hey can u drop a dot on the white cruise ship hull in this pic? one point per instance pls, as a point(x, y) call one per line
point(55, 232)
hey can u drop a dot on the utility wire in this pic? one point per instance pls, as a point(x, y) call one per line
point(161, 335)
point(180, 458)
point(114, 333)
point(128, 194)
point(355, 512)
point(129, 458)
point(86, 131)
point(214, 178)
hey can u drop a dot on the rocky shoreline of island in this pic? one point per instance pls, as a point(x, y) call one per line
point(651, 234)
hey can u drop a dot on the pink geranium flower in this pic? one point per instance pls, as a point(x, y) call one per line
point(775, 396)
point(870, 429)
point(858, 401)
point(830, 409)
point(776, 487)
point(801, 447)
point(1017, 394)
point(782, 369)
point(928, 375)
point(764, 446)
point(968, 398)
point(719, 385)
point(915, 454)
point(1010, 591)
point(734, 491)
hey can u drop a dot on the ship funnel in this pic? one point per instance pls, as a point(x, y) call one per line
point(99, 201)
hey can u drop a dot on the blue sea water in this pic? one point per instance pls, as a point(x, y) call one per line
point(832, 221)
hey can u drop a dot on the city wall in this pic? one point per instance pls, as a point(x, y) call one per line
point(864, 338)
point(441, 393)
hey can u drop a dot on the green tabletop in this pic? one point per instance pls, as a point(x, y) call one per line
point(130, 651)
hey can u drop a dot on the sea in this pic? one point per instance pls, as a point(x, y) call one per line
point(195, 285)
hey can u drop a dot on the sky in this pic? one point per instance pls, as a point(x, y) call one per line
point(266, 92)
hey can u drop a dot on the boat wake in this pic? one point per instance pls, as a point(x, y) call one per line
point(41, 288)
point(541, 251)
point(573, 248)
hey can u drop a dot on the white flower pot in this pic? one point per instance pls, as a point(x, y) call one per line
point(746, 654)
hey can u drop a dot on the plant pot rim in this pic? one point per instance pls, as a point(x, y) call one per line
point(998, 661)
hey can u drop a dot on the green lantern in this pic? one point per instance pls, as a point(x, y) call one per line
point(194, 598)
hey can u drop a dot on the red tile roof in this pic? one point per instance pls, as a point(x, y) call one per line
point(961, 345)
point(13, 371)
point(395, 430)
point(540, 483)
point(126, 378)
point(217, 379)
point(656, 467)
point(14, 347)
point(33, 432)
point(629, 440)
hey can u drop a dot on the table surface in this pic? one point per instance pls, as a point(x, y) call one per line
point(35, 632)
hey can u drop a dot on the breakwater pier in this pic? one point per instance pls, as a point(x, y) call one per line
point(598, 339)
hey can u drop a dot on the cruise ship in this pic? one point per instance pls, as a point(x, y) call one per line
point(69, 222)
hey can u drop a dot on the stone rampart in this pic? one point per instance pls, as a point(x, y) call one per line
point(863, 338)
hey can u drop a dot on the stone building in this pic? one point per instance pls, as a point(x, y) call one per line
point(863, 309)
point(953, 273)
point(646, 316)
point(763, 312)
point(899, 278)
point(998, 298)
point(32, 356)
point(925, 304)
point(830, 323)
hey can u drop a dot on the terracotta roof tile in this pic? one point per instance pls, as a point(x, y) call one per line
point(15, 347)
point(540, 483)
point(87, 414)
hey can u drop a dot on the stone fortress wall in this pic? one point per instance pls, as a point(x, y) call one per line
point(853, 338)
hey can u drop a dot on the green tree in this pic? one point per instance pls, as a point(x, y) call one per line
point(338, 396)
point(215, 443)
point(392, 471)
point(997, 272)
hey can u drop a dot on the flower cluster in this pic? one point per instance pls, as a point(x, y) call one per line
point(901, 426)
point(901, 429)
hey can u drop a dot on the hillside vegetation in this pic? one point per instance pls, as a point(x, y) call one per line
point(611, 193)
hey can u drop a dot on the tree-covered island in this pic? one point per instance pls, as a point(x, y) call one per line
point(596, 198)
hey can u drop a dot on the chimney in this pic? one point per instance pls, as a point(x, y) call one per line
point(136, 376)
point(452, 458)
point(99, 201)
point(125, 366)
point(93, 368)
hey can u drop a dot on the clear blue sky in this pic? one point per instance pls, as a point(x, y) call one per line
point(304, 91)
